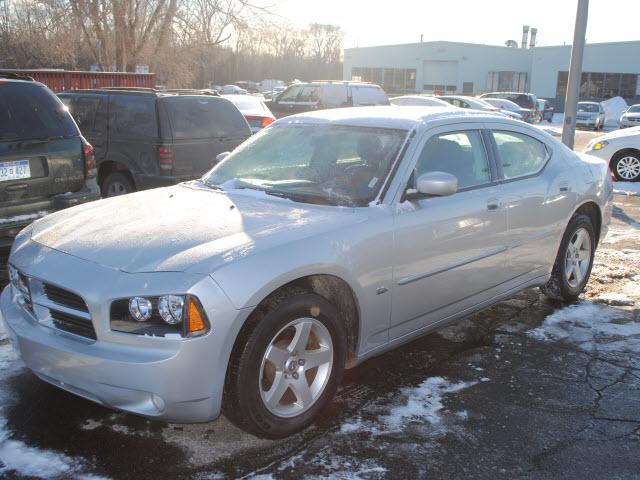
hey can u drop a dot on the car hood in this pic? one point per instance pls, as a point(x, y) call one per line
point(631, 115)
point(620, 134)
point(184, 227)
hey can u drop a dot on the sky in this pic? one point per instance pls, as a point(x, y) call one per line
point(370, 22)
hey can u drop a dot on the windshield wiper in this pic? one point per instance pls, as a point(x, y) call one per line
point(306, 198)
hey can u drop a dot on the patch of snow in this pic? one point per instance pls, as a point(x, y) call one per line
point(23, 218)
point(592, 327)
point(615, 299)
point(613, 109)
point(422, 405)
point(626, 188)
point(617, 234)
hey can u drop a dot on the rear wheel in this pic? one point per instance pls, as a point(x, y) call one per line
point(572, 267)
point(287, 368)
point(626, 166)
point(116, 183)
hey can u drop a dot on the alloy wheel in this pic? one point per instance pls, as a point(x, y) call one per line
point(577, 258)
point(628, 167)
point(296, 367)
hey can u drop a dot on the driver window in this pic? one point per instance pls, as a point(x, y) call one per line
point(459, 153)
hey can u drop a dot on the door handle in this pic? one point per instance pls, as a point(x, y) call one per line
point(493, 204)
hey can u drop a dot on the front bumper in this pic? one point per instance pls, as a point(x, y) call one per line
point(173, 379)
point(589, 122)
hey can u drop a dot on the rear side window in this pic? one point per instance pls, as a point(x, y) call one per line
point(520, 155)
point(84, 111)
point(30, 111)
point(334, 95)
point(204, 117)
point(135, 115)
point(368, 96)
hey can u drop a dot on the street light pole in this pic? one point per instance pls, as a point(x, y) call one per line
point(575, 74)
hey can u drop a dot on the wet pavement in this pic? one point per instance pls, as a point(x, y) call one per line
point(525, 389)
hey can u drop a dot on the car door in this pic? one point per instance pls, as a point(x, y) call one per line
point(449, 252)
point(538, 193)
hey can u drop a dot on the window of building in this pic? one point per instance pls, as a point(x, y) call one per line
point(601, 86)
point(507, 81)
point(397, 80)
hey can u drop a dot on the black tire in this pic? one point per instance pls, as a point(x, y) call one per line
point(242, 403)
point(116, 183)
point(617, 158)
point(558, 287)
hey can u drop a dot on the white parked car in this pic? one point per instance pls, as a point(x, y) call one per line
point(233, 90)
point(254, 109)
point(621, 149)
point(418, 101)
point(630, 117)
point(478, 104)
point(526, 114)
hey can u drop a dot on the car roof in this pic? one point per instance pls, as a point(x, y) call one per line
point(391, 116)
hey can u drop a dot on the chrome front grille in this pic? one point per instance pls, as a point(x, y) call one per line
point(64, 297)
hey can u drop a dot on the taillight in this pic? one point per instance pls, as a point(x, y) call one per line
point(267, 121)
point(165, 157)
point(89, 159)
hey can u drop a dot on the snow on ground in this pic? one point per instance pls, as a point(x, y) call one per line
point(592, 327)
point(24, 218)
point(15, 455)
point(421, 407)
point(626, 188)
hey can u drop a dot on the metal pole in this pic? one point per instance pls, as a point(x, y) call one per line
point(575, 74)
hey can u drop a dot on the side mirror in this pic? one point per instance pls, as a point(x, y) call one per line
point(221, 156)
point(439, 184)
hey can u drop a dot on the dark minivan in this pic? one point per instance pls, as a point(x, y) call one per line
point(45, 164)
point(145, 138)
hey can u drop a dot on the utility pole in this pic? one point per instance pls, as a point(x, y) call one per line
point(575, 74)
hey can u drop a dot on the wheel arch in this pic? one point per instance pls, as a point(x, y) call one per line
point(331, 287)
point(111, 165)
point(594, 212)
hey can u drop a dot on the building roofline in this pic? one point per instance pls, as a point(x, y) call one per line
point(435, 42)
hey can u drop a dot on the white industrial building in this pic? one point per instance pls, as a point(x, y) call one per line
point(609, 69)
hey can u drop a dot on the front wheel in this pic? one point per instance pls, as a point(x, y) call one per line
point(574, 261)
point(626, 166)
point(287, 368)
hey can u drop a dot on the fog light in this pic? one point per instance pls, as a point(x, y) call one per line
point(170, 307)
point(158, 402)
point(140, 308)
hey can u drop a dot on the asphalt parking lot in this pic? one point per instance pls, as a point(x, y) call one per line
point(526, 389)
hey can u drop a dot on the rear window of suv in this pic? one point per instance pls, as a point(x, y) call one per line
point(31, 111)
point(204, 117)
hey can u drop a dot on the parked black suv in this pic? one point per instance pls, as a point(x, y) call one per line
point(45, 164)
point(144, 138)
point(320, 95)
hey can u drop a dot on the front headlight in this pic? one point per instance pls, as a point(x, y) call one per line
point(20, 286)
point(159, 316)
point(597, 145)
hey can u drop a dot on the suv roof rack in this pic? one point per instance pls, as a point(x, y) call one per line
point(188, 91)
point(16, 76)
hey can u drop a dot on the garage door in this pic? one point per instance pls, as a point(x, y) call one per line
point(440, 74)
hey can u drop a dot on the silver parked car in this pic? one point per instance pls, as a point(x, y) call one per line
point(590, 115)
point(630, 117)
point(324, 240)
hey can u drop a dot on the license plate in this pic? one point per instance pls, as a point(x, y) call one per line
point(14, 170)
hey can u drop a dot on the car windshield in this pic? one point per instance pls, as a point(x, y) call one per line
point(634, 109)
point(588, 107)
point(331, 165)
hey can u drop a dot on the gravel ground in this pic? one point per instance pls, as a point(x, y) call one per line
point(525, 389)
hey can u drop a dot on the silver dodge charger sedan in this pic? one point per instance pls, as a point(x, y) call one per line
point(326, 239)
